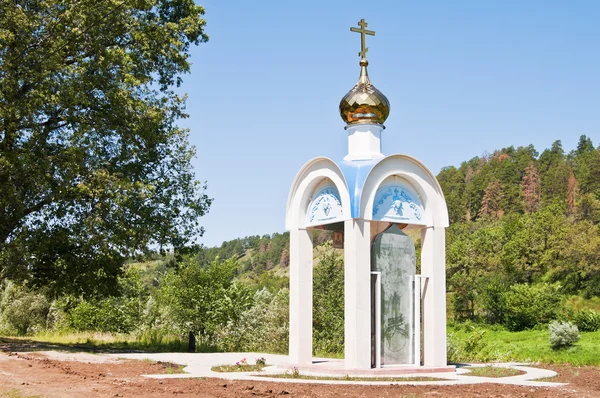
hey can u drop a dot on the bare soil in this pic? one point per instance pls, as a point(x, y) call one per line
point(57, 375)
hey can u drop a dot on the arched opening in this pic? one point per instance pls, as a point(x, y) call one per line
point(398, 215)
point(395, 300)
point(318, 200)
point(324, 218)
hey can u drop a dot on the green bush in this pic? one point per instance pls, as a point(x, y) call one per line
point(453, 350)
point(587, 320)
point(563, 334)
point(328, 303)
point(530, 305)
point(264, 327)
point(107, 315)
point(22, 311)
point(492, 298)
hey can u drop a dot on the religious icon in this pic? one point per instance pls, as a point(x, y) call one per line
point(338, 239)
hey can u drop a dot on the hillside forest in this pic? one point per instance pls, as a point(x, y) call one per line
point(523, 249)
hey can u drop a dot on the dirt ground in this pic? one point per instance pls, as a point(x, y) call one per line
point(25, 374)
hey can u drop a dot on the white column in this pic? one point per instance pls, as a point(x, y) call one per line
point(433, 265)
point(301, 266)
point(364, 141)
point(357, 294)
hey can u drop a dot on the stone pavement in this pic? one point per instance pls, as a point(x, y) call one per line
point(199, 365)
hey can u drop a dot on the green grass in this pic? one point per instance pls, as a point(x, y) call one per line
point(237, 368)
point(492, 371)
point(150, 342)
point(531, 346)
point(174, 369)
point(14, 393)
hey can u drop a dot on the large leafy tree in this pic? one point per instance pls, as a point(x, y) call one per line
point(92, 164)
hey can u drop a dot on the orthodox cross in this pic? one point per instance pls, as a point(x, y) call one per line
point(363, 39)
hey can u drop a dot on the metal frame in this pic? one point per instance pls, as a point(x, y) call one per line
point(377, 318)
point(419, 282)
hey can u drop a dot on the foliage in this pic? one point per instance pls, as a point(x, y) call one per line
point(527, 306)
point(587, 320)
point(563, 334)
point(92, 165)
point(202, 299)
point(328, 303)
point(21, 309)
point(528, 346)
point(262, 328)
point(119, 314)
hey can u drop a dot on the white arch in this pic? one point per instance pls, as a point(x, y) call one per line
point(422, 181)
point(433, 252)
point(304, 185)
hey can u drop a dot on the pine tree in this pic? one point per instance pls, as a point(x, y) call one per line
point(468, 178)
point(490, 205)
point(530, 188)
point(284, 261)
point(572, 194)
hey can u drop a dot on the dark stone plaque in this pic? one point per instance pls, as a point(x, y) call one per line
point(393, 255)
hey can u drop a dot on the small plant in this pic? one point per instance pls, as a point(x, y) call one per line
point(563, 334)
point(295, 373)
point(261, 361)
point(474, 342)
point(493, 371)
point(241, 366)
point(587, 320)
point(453, 351)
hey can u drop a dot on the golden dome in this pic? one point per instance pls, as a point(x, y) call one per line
point(364, 104)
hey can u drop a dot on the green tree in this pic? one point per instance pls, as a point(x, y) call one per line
point(554, 173)
point(203, 299)
point(92, 165)
point(527, 306)
point(328, 303)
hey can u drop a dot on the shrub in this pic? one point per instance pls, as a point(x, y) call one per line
point(22, 311)
point(262, 327)
point(112, 314)
point(453, 351)
point(328, 303)
point(492, 297)
point(563, 334)
point(526, 306)
point(587, 320)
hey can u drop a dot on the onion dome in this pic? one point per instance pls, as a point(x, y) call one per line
point(364, 104)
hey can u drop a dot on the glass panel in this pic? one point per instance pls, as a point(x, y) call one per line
point(394, 256)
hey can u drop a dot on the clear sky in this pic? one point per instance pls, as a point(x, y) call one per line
point(462, 77)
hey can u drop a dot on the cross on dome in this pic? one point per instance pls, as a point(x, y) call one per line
point(364, 104)
point(363, 38)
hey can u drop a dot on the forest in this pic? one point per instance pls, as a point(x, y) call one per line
point(523, 249)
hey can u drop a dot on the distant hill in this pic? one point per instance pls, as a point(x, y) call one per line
point(517, 216)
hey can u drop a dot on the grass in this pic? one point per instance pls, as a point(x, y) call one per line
point(149, 342)
point(493, 371)
point(531, 346)
point(174, 369)
point(237, 368)
point(14, 393)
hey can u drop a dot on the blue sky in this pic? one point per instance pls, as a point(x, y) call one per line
point(462, 77)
